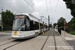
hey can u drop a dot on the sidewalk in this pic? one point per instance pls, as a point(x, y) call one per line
point(66, 35)
point(56, 43)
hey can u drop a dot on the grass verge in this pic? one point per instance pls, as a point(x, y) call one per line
point(72, 32)
point(6, 31)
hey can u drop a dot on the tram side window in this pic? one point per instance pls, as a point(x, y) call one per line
point(34, 25)
point(31, 25)
point(45, 26)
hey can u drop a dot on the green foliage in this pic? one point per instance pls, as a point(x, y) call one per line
point(71, 6)
point(54, 24)
point(61, 22)
point(71, 24)
point(68, 30)
point(50, 25)
point(72, 32)
point(7, 18)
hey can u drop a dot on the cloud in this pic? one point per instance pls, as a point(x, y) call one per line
point(15, 6)
point(55, 10)
point(38, 8)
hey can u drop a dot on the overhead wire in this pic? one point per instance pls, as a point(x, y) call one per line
point(30, 5)
point(56, 6)
point(47, 9)
point(50, 8)
point(46, 6)
point(34, 8)
point(31, 2)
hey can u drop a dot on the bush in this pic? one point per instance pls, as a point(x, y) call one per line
point(72, 32)
point(68, 30)
point(7, 28)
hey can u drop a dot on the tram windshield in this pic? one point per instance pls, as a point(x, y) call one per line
point(18, 23)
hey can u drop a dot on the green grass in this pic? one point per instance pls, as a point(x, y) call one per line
point(72, 32)
point(6, 31)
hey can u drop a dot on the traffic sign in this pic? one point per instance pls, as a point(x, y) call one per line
point(64, 22)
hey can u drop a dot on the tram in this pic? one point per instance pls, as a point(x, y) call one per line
point(26, 25)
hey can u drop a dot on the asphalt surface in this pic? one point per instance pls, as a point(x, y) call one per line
point(2, 35)
point(71, 43)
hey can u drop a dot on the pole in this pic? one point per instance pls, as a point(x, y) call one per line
point(48, 21)
point(43, 28)
point(41, 17)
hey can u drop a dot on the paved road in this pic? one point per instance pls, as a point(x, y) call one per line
point(5, 37)
point(71, 43)
point(41, 42)
point(2, 35)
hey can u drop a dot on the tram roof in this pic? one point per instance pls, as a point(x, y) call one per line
point(31, 17)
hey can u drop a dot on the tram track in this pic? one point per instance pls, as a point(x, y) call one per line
point(46, 40)
point(52, 33)
point(5, 43)
point(12, 43)
point(8, 42)
point(54, 40)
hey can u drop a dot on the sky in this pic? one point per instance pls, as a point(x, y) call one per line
point(54, 8)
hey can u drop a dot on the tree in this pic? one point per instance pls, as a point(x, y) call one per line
point(50, 25)
point(61, 22)
point(54, 24)
point(7, 18)
point(71, 24)
point(71, 6)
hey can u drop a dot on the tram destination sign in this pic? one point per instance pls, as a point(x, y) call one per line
point(19, 17)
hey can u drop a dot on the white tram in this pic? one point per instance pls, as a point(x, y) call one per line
point(26, 26)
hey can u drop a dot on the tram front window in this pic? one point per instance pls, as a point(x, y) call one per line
point(18, 24)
